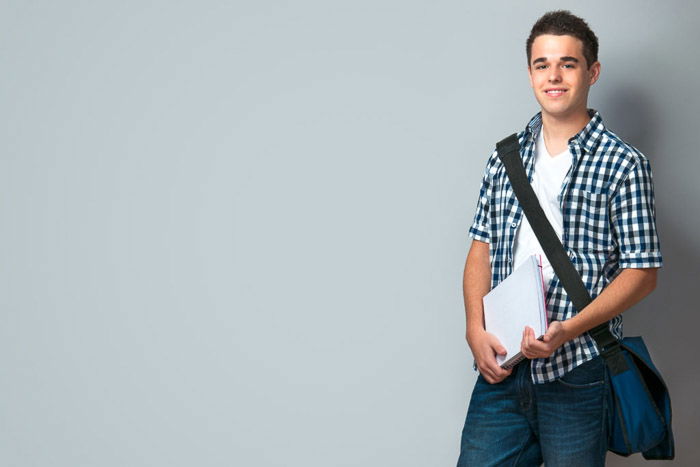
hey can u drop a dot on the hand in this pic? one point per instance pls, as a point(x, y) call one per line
point(555, 336)
point(484, 347)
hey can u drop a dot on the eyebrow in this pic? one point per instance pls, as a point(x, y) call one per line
point(563, 59)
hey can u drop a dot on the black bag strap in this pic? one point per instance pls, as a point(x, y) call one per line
point(509, 153)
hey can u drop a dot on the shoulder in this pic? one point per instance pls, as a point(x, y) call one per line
point(623, 156)
point(612, 161)
point(494, 163)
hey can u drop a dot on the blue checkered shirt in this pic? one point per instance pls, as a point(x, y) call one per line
point(607, 201)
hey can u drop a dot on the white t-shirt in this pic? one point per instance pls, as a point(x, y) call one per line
point(547, 181)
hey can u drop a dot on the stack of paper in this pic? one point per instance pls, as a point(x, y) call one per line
point(518, 301)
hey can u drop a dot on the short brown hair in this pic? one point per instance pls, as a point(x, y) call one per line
point(564, 23)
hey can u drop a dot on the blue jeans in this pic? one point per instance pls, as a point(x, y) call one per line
point(519, 423)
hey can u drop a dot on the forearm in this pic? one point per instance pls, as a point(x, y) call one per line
point(627, 289)
point(476, 284)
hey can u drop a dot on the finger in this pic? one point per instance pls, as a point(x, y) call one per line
point(549, 334)
point(504, 374)
point(528, 340)
point(534, 348)
point(523, 345)
point(531, 335)
point(538, 346)
point(541, 349)
point(495, 369)
point(497, 347)
point(486, 371)
point(501, 373)
point(492, 363)
point(492, 369)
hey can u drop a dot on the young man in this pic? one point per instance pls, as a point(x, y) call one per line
point(596, 191)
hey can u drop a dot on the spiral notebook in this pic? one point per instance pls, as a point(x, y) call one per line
point(516, 302)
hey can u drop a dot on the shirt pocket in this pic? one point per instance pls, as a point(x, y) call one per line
point(588, 226)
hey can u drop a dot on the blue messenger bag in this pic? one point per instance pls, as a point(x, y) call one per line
point(639, 402)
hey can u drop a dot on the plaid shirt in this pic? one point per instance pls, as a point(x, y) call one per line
point(607, 201)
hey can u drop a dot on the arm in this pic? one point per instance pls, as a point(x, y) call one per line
point(627, 289)
point(477, 283)
point(633, 224)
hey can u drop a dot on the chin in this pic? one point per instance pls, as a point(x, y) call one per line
point(557, 111)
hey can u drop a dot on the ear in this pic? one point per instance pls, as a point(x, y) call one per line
point(594, 73)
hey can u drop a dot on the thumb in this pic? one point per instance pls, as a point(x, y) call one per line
point(500, 350)
point(547, 336)
point(552, 329)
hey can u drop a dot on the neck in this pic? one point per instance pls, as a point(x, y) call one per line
point(558, 130)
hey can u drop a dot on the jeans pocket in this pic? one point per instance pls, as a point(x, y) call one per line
point(586, 375)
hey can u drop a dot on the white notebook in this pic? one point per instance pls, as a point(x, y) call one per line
point(516, 302)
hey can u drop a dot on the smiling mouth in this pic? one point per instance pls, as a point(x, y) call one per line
point(555, 92)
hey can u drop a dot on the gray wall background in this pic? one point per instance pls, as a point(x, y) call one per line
point(233, 232)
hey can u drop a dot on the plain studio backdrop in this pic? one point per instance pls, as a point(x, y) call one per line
point(233, 233)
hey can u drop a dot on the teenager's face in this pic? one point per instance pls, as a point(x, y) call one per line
point(560, 76)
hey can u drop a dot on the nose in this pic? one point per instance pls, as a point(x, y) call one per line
point(554, 75)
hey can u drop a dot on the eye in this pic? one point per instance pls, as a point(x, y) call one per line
point(540, 67)
point(569, 65)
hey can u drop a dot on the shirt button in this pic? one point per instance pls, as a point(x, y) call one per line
point(513, 224)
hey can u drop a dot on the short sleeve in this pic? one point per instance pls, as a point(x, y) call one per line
point(634, 219)
point(479, 229)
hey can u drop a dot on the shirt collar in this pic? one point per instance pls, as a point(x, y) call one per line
point(588, 138)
